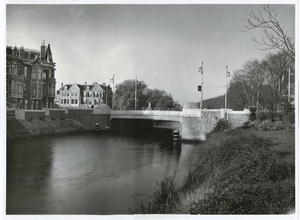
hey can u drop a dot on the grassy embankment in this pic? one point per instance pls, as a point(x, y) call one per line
point(243, 171)
point(23, 128)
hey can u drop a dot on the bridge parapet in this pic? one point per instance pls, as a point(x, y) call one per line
point(183, 113)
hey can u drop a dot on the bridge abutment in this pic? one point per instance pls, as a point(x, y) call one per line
point(196, 128)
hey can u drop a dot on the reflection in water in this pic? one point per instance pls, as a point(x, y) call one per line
point(88, 174)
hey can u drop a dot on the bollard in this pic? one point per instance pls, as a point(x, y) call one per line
point(176, 135)
point(97, 126)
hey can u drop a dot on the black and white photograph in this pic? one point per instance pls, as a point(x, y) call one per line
point(149, 110)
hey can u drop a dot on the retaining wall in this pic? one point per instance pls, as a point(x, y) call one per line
point(196, 129)
point(23, 114)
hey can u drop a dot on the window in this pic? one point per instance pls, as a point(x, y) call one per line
point(14, 69)
point(25, 71)
point(34, 73)
point(39, 92)
point(40, 75)
point(67, 101)
point(76, 101)
point(24, 89)
point(50, 74)
point(44, 76)
point(8, 68)
point(62, 101)
point(17, 87)
point(72, 101)
point(20, 88)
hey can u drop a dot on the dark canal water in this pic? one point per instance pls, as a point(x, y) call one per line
point(84, 173)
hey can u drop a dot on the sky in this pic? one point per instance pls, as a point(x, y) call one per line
point(162, 44)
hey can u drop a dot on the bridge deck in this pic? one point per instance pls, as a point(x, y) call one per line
point(155, 114)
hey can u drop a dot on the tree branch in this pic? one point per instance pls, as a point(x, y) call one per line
point(274, 35)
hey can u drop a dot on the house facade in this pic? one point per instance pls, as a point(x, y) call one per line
point(30, 78)
point(80, 95)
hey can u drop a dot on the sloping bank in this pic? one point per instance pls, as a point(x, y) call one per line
point(240, 172)
point(24, 128)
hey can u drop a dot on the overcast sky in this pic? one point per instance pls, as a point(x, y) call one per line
point(162, 45)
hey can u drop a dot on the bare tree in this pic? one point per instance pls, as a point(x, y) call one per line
point(275, 37)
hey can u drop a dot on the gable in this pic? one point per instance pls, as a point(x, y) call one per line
point(74, 88)
point(97, 88)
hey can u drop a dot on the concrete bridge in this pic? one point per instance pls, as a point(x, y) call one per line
point(193, 124)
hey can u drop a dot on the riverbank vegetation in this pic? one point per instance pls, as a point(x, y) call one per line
point(244, 171)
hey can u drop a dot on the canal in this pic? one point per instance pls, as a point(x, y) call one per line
point(84, 173)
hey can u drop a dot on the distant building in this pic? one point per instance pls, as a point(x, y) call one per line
point(80, 95)
point(30, 78)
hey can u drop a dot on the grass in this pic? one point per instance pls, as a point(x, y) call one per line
point(242, 172)
point(163, 199)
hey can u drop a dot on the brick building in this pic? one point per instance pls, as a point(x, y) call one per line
point(30, 78)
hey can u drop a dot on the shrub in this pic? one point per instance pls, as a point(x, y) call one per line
point(53, 117)
point(42, 117)
point(29, 119)
point(289, 117)
point(269, 125)
point(267, 116)
point(223, 125)
point(62, 117)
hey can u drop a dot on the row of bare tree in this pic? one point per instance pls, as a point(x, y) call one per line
point(269, 83)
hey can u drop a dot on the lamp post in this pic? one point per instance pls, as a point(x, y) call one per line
point(135, 91)
point(200, 69)
point(106, 95)
point(289, 87)
point(112, 101)
point(226, 75)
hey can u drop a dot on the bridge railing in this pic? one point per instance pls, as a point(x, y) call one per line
point(184, 112)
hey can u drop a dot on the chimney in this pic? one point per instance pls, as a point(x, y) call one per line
point(62, 85)
point(43, 50)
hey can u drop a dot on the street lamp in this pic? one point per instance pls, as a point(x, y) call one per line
point(106, 94)
point(112, 101)
point(200, 88)
point(289, 87)
point(226, 75)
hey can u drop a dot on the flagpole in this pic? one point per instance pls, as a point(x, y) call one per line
point(202, 87)
point(226, 75)
point(112, 101)
point(106, 95)
point(289, 87)
point(135, 93)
